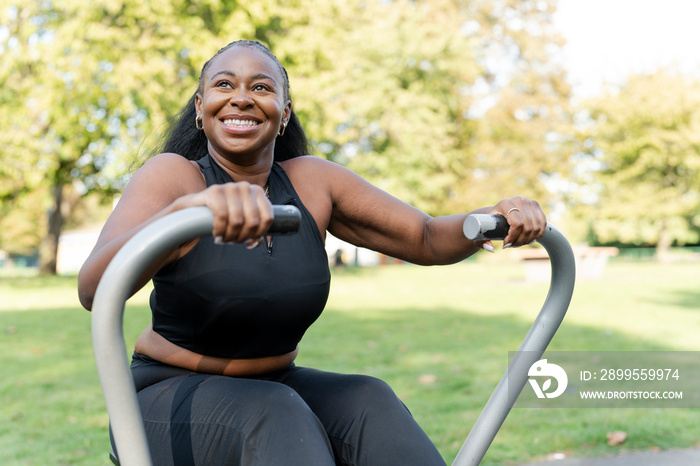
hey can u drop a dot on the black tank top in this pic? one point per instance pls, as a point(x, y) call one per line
point(227, 301)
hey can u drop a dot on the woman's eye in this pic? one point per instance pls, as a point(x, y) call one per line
point(224, 84)
point(260, 87)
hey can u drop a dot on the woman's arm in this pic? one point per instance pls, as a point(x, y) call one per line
point(368, 217)
point(165, 184)
point(150, 194)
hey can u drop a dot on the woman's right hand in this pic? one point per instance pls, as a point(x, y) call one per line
point(242, 211)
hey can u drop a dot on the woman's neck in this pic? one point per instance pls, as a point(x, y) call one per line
point(256, 170)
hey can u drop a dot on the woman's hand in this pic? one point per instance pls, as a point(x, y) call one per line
point(526, 219)
point(242, 211)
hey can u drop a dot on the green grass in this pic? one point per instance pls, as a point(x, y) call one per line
point(439, 336)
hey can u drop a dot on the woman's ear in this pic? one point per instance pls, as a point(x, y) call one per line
point(287, 113)
point(198, 104)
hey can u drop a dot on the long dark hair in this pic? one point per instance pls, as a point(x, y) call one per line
point(183, 137)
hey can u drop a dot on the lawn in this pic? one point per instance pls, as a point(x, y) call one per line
point(440, 336)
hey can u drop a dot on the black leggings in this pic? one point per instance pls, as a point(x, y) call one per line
point(296, 416)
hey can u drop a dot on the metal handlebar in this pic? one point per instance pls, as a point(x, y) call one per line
point(115, 288)
point(561, 288)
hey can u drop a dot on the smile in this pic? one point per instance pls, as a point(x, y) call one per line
point(241, 123)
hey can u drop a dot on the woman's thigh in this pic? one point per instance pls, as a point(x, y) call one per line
point(201, 419)
point(365, 421)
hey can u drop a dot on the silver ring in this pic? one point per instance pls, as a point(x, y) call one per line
point(511, 210)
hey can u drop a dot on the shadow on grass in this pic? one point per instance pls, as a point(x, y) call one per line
point(684, 298)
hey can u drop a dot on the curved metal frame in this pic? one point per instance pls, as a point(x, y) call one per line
point(139, 252)
point(553, 310)
point(112, 292)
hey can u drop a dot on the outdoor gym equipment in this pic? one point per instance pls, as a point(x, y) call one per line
point(561, 288)
point(134, 257)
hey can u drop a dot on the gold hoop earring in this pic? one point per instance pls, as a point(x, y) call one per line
point(196, 123)
point(284, 127)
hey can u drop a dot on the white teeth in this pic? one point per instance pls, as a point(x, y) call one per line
point(232, 122)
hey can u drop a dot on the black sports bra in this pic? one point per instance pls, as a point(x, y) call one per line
point(228, 301)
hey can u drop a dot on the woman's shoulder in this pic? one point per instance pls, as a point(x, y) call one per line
point(304, 161)
point(172, 160)
point(169, 169)
point(311, 165)
point(167, 164)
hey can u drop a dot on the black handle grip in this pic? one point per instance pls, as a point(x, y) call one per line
point(480, 227)
point(287, 220)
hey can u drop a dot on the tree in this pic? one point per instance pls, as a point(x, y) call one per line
point(87, 89)
point(400, 92)
point(82, 84)
point(647, 139)
point(525, 138)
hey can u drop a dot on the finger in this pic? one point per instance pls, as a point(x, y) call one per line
point(538, 218)
point(530, 224)
point(215, 199)
point(519, 222)
point(516, 225)
point(533, 222)
point(250, 229)
point(235, 217)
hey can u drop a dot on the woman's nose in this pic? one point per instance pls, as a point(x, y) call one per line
point(241, 98)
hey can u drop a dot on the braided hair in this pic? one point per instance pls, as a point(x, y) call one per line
point(183, 137)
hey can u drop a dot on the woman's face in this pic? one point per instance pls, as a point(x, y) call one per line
point(242, 103)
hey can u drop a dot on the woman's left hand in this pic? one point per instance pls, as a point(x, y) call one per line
point(526, 219)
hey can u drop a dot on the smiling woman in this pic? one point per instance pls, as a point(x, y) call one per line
point(215, 369)
point(242, 103)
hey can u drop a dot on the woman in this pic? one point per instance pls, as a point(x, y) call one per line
point(214, 371)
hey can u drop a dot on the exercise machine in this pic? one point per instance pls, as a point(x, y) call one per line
point(140, 251)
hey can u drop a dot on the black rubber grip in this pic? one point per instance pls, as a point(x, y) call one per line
point(479, 227)
point(287, 220)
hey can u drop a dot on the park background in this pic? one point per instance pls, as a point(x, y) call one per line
point(447, 104)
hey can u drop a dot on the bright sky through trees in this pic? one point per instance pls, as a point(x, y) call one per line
point(609, 39)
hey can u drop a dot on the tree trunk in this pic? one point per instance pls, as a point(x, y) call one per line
point(48, 252)
point(663, 247)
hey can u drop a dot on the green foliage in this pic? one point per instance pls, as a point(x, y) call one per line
point(81, 86)
point(524, 138)
point(396, 92)
point(381, 93)
point(447, 104)
point(647, 140)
